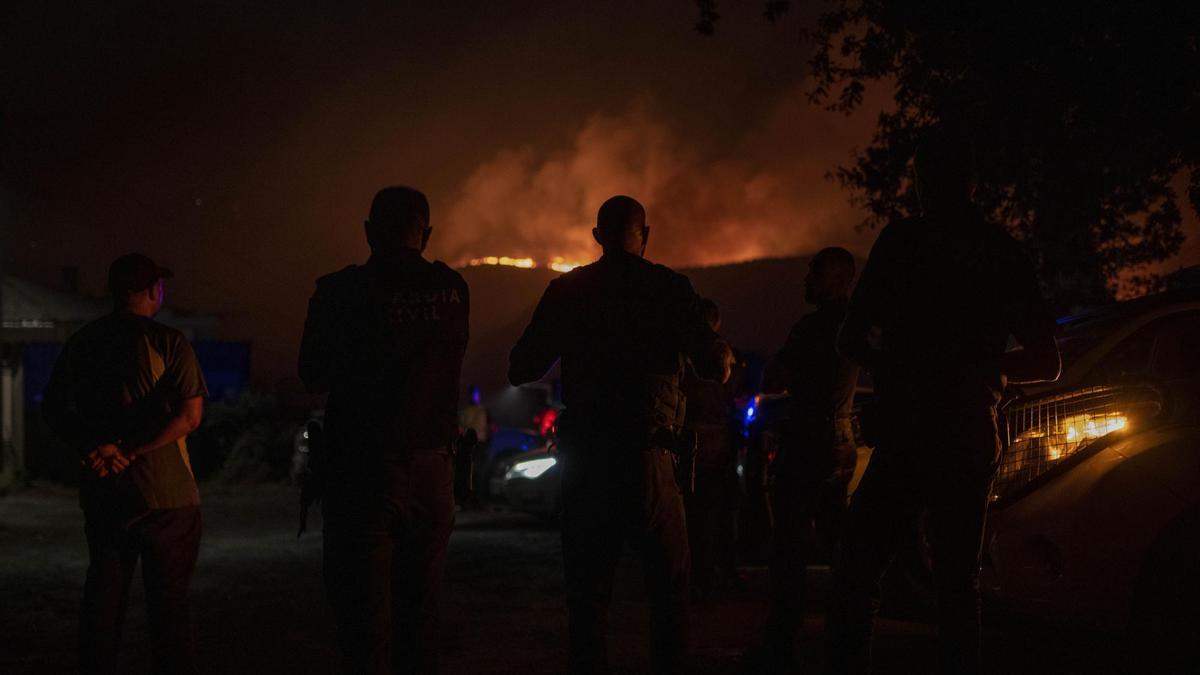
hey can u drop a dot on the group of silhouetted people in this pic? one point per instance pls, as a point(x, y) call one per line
point(642, 365)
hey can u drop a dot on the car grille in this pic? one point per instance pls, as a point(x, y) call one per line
point(1048, 432)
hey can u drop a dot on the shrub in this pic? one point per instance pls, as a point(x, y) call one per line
point(245, 439)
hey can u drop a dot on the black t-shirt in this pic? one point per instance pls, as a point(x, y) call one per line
point(820, 380)
point(622, 327)
point(945, 294)
point(120, 379)
point(387, 340)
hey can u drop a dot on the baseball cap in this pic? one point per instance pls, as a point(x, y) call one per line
point(134, 272)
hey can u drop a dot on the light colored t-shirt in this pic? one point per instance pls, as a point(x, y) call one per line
point(120, 379)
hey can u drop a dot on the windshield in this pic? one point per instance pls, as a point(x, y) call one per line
point(1077, 337)
point(1072, 347)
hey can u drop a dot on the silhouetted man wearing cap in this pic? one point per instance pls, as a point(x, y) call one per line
point(386, 341)
point(125, 393)
point(622, 327)
point(939, 300)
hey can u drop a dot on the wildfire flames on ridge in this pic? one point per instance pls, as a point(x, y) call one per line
point(557, 263)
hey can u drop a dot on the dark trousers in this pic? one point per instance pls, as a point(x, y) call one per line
point(944, 467)
point(711, 528)
point(385, 536)
point(481, 473)
point(805, 514)
point(614, 496)
point(167, 542)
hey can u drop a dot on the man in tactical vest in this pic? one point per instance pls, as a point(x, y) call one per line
point(386, 341)
point(622, 327)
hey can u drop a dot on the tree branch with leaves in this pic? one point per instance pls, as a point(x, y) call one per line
point(1084, 119)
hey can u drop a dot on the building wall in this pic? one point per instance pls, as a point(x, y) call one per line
point(29, 449)
point(12, 417)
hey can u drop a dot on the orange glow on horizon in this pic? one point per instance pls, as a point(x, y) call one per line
point(505, 261)
point(560, 264)
point(557, 263)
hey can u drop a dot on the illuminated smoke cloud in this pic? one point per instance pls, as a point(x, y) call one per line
point(768, 195)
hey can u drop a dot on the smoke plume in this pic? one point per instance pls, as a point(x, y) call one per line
point(765, 195)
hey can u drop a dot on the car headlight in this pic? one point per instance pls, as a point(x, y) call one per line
point(1059, 439)
point(1044, 432)
point(531, 468)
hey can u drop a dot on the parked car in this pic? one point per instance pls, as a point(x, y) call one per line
point(532, 482)
point(507, 445)
point(1095, 517)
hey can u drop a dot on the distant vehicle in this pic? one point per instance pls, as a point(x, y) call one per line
point(1095, 517)
point(532, 482)
point(507, 444)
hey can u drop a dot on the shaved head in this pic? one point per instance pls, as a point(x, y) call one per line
point(836, 259)
point(621, 224)
point(399, 218)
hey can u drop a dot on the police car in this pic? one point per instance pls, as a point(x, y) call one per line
point(1095, 515)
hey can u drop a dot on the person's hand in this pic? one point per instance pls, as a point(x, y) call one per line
point(729, 360)
point(106, 459)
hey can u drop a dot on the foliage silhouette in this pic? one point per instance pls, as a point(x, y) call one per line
point(1083, 116)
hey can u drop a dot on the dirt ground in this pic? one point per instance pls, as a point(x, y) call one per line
point(259, 607)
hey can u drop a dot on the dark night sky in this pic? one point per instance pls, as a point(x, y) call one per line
point(240, 143)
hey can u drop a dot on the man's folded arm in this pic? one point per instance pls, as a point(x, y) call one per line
point(186, 420)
